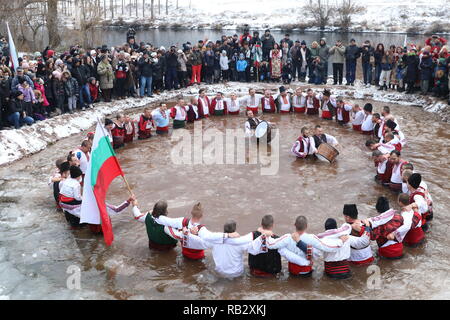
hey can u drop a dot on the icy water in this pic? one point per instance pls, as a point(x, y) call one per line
point(37, 245)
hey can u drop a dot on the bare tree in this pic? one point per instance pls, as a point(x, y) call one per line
point(54, 38)
point(167, 7)
point(321, 11)
point(346, 9)
point(152, 16)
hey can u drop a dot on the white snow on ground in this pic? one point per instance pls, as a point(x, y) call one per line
point(16, 144)
point(380, 15)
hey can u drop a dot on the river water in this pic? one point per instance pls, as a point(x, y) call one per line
point(37, 245)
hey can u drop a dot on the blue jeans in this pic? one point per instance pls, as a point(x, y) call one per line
point(145, 83)
point(15, 119)
point(350, 70)
point(377, 73)
point(367, 72)
point(172, 78)
point(85, 90)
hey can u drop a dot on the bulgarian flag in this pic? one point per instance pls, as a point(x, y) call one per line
point(12, 49)
point(103, 168)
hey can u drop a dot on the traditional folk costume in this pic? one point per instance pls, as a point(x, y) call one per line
point(204, 104)
point(410, 233)
point(367, 125)
point(250, 126)
point(218, 107)
point(327, 105)
point(118, 134)
point(396, 176)
point(357, 120)
point(268, 105)
point(179, 116)
point(275, 63)
point(193, 113)
point(84, 159)
point(130, 132)
point(299, 262)
point(384, 170)
point(421, 197)
point(324, 138)
point(382, 225)
point(161, 119)
point(312, 105)
point(233, 106)
point(252, 102)
point(303, 147)
point(343, 114)
point(299, 103)
point(378, 130)
point(283, 104)
point(145, 127)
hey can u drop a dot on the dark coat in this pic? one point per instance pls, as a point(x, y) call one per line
point(426, 68)
point(412, 71)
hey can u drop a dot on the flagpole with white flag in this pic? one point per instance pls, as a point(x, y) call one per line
point(12, 49)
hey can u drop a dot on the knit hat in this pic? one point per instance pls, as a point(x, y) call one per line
point(282, 89)
point(382, 204)
point(350, 210)
point(303, 42)
point(368, 107)
point(197, 210)
point(37, 54)
point(75, 172)
point(330, 224)
point(93, 52)
point(414, 180)
point(180, 51)
point(154, 54)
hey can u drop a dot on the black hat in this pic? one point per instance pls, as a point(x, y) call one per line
point(352, 40)
point(267, 30)
point(368, 107)
point(303, 42)
point(330, 224)
point(350, 210)
point(75, 172)
point(414, 180)
point(382, 204)
point(282, 89)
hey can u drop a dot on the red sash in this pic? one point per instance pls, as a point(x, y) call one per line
point(414, 237)
point(300, 110)
point(255, 110)
point(394, 251)
point(363, 262)
point(63, 198)
point(162, 128)
point(193, 254)
point(337, 267)
point(284, 111)
point(233, 112)
point(326, 115)
point(367, 133)
point(357, 127)
point(261, 274)
point(295, 269)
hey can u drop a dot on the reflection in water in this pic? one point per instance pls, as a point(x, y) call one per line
point(316, 189)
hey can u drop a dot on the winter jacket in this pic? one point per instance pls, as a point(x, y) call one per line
point(171, 60)
point(366, 54)
point(58, 88)
point(426, 67)
point(106, 75)
point(41, 88)
point(145, 67)
point(337, 54)
point(121, 69)
point(241, 65)
point(15, 82)
point(352, 52)
point(324, 52)
point(209, 58)
point(299, 57)
point(224, 62)
point(195, 58)
point(267, 42)
point(81, 74)
point(16, 105)
point(412, 64)
point(71, 87)
point(377, 55)
point(314, 52)
point(158, 70)
point(182, 60)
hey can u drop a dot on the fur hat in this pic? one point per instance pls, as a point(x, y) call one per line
point(350, 210)
point(330, 224)
point(75, 172)
point(368, 107)
point(382, 204)
point(414, 180)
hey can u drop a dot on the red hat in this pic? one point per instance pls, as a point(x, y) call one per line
point(50, 53)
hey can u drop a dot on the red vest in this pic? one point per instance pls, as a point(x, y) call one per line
point(143, 122)
point(272, 104)
point(213, 104)
point(200, 106)
point(193, 254)
point(345, 114)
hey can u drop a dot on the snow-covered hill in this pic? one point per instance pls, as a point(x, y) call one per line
point(380, 15)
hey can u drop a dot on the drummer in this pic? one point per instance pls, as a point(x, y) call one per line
point(321, 137)
point(251, 124)
point(304, 145)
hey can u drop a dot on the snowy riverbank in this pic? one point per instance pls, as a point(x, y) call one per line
point(16, 144)
point(421, 16)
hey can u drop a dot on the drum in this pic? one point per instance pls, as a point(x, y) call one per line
point(263, 130)
point(327, 152)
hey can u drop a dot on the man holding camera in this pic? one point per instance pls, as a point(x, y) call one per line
point(337, 53)
point(367, 60)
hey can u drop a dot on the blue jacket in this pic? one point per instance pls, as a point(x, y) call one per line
point(241, 65)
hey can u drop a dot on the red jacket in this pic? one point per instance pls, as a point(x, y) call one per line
point(271, 102)
point(213, 106)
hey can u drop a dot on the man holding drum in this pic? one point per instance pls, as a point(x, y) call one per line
point(304, 145)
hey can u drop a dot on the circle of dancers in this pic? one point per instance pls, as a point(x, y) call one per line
point(340, 246)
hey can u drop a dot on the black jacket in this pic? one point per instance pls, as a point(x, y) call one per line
point(352, 52)
point(145, 67)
